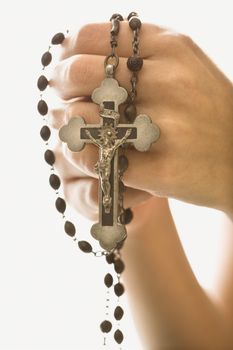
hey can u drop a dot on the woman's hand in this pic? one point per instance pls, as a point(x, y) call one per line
point(180, 89)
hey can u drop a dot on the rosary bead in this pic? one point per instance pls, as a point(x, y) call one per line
point(119, 289)
point(42, 107)
point(135, 63)
point(69, 228)
point(58, 38)
point(119, 266)
point(123, 163)
point(106, 326)
point(49, 157)
point(110, 258)
point(135, 23)
point(54, 181)
point(132, 14)
point(126, 217)
point(85, 246)
point(130, 112)
point(118, 336)
point(42, 83)
point(60, 205)
point(45, 133)
point(108, 280)
point(118, 313)
point(46, 58)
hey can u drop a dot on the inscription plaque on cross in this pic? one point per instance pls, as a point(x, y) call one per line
point(108, 136)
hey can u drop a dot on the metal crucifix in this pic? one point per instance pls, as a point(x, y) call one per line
point(108, 136)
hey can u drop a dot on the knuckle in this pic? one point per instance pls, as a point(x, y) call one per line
point(174, 40)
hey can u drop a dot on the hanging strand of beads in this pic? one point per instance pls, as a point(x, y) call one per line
point(134, 64)
point(113, 258)
point(49, 156)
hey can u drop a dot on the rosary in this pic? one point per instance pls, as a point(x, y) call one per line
point(112, 140)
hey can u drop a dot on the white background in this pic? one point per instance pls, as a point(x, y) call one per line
point(52, 295)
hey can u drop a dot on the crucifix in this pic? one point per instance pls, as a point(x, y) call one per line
point(108, 136)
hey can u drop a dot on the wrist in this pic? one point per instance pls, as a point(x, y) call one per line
point(225, 161)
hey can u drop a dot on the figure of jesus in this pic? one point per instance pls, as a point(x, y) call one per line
point(107, 143)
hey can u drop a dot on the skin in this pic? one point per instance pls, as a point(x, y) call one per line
point(191, 101)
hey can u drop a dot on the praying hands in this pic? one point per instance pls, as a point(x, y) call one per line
point(191, 101)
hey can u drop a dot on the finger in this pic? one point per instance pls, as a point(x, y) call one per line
point(57, 117)
point(94, 39)
point(82, 195)
point(79, 75)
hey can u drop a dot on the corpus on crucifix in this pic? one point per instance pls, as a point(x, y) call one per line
point(108, 144)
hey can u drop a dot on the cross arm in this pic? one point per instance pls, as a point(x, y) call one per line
point(143, 133)
point(75, 133)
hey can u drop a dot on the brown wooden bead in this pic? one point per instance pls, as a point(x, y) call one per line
point(46, 58)
point(130, 112)
point(85, 246)
point(135, 63)
point(126, 217)
point(42, 107)
point(119, 289)
point(45, 133)
point(106, 326)
point(108, 280)
point(118, 336)
point(54, 181)
point(110, 258)
point(135, 23)
point(49, 157)
point(119, 266)
point(60, 205)
point(42, 83)
point(118, 313)
point(69, 228)
point(58, 38)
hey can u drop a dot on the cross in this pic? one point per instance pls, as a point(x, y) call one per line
point(108, 136)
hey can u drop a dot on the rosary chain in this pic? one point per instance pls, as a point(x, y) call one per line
point(134, 64)
point(113, 58)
